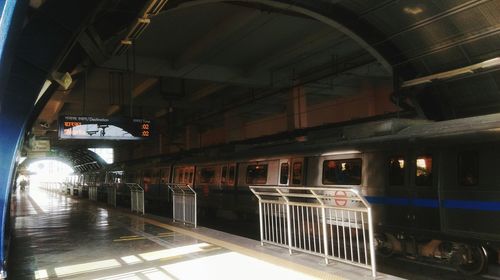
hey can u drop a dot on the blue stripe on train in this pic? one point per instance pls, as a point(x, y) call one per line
point(472, 205)
point(419, 202)
point(434, 203)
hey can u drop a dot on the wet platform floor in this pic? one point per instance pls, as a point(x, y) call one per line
point(58, 237)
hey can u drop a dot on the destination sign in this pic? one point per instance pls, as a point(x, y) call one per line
point(81, 127)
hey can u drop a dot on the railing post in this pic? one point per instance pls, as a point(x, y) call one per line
point(289, 227)
point(174, 205)
point(261, 226)
point(372, 245)
point(325, 234)
point(195, 210)
point(184, 208)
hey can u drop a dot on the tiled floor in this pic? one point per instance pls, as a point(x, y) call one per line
point(58, 237)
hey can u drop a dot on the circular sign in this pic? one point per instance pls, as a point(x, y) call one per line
point(340, 198)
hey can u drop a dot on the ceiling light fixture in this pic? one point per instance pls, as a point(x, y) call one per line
point(490, 63)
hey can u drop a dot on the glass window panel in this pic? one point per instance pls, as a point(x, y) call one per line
point(397, 168)
point(257, 174)
point(342, 172)
point(223, 176)
point(207, 175)
point(284, 173)
point(297, 173)
point(468, 168)
point(232, 174)
point(423, 175)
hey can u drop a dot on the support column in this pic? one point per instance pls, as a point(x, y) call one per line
point(297, 109)
point(25, 63)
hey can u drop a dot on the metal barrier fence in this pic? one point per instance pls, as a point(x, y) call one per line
point(111, 194)
point(333, 223)
point(136, 197)
point(93, 193)
point(184, 203)
point(53, 186)
point(71, 188)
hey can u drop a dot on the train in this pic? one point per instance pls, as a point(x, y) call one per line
point(434, 186)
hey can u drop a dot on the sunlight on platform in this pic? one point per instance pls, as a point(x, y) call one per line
point(227, 265)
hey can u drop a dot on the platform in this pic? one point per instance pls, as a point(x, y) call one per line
point(59, 237)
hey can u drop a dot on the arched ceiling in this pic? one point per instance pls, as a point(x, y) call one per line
point(209, 58)
point(81, 160)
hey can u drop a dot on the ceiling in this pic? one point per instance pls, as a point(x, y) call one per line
point(199, 62)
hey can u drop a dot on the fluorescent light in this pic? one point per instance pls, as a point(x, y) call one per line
point(453, 73)
point(490, 62)
point(341, 153)
point(22, 159)
point(45, 86)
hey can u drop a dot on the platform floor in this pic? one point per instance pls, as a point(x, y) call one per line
point(58, 237)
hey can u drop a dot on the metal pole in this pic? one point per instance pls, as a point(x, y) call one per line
point(173, 204)
point(289, 227)
point(372, 246)
point(184, 208)
point(260, 221)
point(325, 235)
point(195, 211)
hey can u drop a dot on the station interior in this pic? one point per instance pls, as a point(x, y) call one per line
point(184, 139)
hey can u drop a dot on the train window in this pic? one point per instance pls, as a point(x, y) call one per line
point(423, 174)
point(155, 177)
point(146, 179)
point(223, 176)
point(468, 168)
point(191, 175)
point(232, 174)
point(297, 173)
point(207, 175)
point(257, 174)
point(342, 172)
point(284, 173)
point(178, 175)
point(397, 171)
point(164, 176)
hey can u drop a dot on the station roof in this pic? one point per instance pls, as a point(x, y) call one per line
point(209, 59)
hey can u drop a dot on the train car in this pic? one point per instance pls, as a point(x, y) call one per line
point(434, 187)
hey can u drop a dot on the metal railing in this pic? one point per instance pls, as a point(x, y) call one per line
point(333, 223)
point(184, 203)
point(93, 193)
point(53, 186)
point(71, 188)
point(111, 194)
point(136, 197)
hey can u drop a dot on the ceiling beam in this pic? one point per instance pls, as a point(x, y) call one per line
point(152, 66)
point(307, 44)
point(138, 90)
point(206, 91)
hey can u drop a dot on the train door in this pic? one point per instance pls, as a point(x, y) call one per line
point(297, 172)
point(412, 193)
point(397, 201)
point(424, 190)
point(284, 172)
point(164, 191)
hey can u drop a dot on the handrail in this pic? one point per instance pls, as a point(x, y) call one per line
point(136, 197)
point(184, 204)
point(328, 222)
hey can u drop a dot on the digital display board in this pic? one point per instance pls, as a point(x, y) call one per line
point(81, 127)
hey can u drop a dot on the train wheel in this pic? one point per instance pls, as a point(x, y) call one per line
point(476, 261)
point(384, 245)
